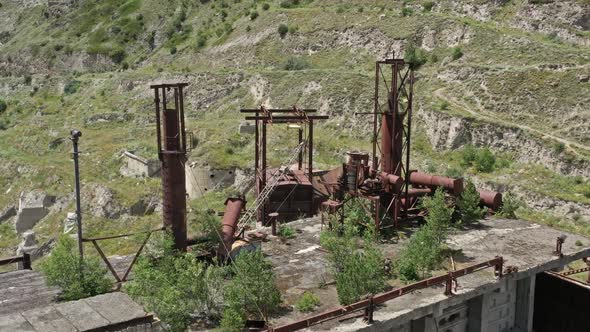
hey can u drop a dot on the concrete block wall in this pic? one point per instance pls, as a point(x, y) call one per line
point(202, 179)
point(499, 308)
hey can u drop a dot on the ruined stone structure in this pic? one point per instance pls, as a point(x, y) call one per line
point(137, 166)
point(202, 179)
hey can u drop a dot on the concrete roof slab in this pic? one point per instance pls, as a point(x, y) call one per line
point(115, 307)
point(48, 319)
point(81, 315)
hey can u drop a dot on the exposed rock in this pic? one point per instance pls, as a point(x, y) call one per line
point(32, 207)
point(450, 132)
point(99, 201)
point(108, 117)
point(7, 213)
point(243, 180)
point(583, 78)
point(70, 223)
point(145, 206)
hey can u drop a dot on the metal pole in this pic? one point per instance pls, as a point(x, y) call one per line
point(76, 134)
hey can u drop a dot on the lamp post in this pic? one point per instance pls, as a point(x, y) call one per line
point(75, 135)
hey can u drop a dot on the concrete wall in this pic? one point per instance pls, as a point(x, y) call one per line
point(202, 179)
point(140, 167)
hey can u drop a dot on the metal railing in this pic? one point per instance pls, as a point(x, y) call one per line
point(25, 259)
point(369, 304)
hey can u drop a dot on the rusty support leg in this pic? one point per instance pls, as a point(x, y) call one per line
point(369, 310)
point(310, 167)
point(263, 174)
point(300, 157)
point(106, 261)
point(135, 257)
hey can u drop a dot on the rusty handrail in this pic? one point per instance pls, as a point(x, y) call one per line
point(25, 259)
point(370, 303)
point(105, 258)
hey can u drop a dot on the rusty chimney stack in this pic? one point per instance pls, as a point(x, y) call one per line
point(172, 150)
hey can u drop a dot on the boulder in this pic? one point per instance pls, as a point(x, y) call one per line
point(32, 207)
point(99, 201)
point(70, 224)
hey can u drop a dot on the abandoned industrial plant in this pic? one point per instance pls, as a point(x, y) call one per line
point(295, 165)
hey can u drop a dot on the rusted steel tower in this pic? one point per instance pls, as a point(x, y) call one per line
point(172, 149)
point(394, 89)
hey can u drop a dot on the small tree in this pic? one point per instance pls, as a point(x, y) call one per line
point(358, 272)
point(252, 290)
point(509, 206)
point(308, 302)
point(77, 279)
point(283, 29)
point(469, 204)
point(485, 160)
point(415, 57)
point(173, 284)
point(468, 155)
point(423, 252)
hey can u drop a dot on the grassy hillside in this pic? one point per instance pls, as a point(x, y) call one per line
point(89, 65)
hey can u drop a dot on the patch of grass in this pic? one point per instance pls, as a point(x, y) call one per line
point(286, 232)
point(456, 53)
point(295, 63)
point(308, 302)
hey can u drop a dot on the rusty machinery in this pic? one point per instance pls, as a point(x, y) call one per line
point(392, 187)
point(294, 193)
point(172, 149)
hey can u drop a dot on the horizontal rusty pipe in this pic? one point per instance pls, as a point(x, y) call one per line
point(417, 192)
point(392, 183)
point(491, 199)
point(229, 225)
point(453, 186)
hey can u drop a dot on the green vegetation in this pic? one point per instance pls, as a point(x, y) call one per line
point(286, 232)
point(175, 285)
point(482, 159)
point(77, 279)
point(468, 204)
point(579, 243)
point(3, 105)
point(265, 6)
point(308, 302)
point(283, 29)
point(428, 6)
point(509, 206)
point(252, 291)
point(71, 87)
point(424, 251)
point(357, 272)
point(295, 63)
point(415, 57)
point(456, 53)
point(407, 11)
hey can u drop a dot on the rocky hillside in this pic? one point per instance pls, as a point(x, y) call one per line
point(510, 75)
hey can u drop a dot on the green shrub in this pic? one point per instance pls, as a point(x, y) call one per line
point(286, 232)
point(423, 252)
point(232, 321)
point(295, 63)
point(173, 50)
point(415, 57)
point(265, 6)
point(558, 147)
point(308, 302)
point(28, 79)
point(456, 53)
point(357, 272)
point(253, 15)
point(175, 285)
point(201, 41)
point(453, 172)
point(468, 155)
point(252, 290)
point(468, 204)
point(443, 105)
point(586, 192)
point(407, 11)
point(289, 3)
point(485, 160)
point(360, 9)
point(62, 269)
point(293, 29)
point(283, 29)
point(509, 206)
point(579, 243)
point(428, 6)
point(3, 106)
point(71, 87)
point(433, 58)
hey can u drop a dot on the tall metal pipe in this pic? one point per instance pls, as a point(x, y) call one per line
point(233, 207)
point(172, 153)
point(75, 135)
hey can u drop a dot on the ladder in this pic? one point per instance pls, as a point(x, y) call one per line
point(268, 189)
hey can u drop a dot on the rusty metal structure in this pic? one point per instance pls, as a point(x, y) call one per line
point(287, 192)
point(172, 150)
point(385, 177)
